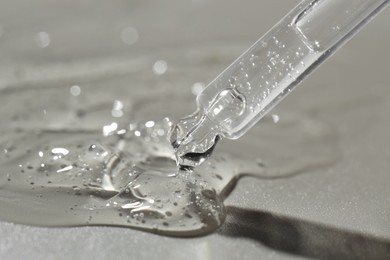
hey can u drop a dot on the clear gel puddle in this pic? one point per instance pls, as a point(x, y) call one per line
point(128, 178)
point(87, 159)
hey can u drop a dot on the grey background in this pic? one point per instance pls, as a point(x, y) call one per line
point(340, 211)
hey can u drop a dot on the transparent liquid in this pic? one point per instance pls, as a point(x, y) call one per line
point(88, 159)
point(240, 96)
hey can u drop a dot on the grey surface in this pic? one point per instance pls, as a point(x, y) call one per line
point(341, 210)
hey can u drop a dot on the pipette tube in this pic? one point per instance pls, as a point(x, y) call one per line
point(267, 72)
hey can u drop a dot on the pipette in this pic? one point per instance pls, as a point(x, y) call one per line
point(266, 73)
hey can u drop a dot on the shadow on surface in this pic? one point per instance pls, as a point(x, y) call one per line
point(302, 237)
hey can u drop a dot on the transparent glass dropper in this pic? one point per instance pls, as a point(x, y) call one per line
point(263, 75)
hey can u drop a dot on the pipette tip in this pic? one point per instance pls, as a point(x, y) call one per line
point(193, 140)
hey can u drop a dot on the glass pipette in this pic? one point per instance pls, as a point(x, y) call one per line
point(263, 75)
